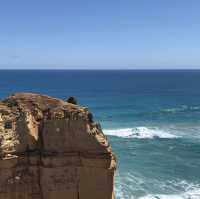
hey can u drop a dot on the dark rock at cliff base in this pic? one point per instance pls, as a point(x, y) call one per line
point(50, 149)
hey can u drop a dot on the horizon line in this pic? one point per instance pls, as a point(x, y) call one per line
point(98, 69)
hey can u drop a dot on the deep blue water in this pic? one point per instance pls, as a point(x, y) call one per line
point(152, 119)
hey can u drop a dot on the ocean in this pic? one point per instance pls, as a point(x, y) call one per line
point(151, 118)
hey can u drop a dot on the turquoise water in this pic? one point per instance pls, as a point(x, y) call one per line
point(152, 119)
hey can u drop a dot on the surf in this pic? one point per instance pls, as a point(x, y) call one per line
point(140, 133)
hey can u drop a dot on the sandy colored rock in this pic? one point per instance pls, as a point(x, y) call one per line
point(50, 149)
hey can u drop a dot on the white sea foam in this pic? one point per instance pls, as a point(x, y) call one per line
point(140, 132)
point(190, 191)
point(191, 194)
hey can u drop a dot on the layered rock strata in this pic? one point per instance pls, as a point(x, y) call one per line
point(50, 149)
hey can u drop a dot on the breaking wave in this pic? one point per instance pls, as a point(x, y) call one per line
point(140, 133)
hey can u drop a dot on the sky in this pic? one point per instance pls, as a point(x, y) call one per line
point(99, 34)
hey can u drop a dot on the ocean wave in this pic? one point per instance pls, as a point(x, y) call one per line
point(190, 194)
point(182, 109)
point(189, 191)
point(140, 133)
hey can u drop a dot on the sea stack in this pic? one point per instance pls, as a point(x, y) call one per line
point(51, 149)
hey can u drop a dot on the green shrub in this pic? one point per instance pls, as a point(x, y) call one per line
point(10, 102)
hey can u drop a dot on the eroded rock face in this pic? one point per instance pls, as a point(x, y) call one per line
point(50, 149)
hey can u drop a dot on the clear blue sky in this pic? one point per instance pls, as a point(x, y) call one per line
point(100, 34)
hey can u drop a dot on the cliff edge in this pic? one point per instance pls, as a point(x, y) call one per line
point(51, 149)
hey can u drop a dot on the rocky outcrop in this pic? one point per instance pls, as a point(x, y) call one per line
point(51, 149)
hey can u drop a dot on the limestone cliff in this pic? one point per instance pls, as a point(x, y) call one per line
point(50, 149)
